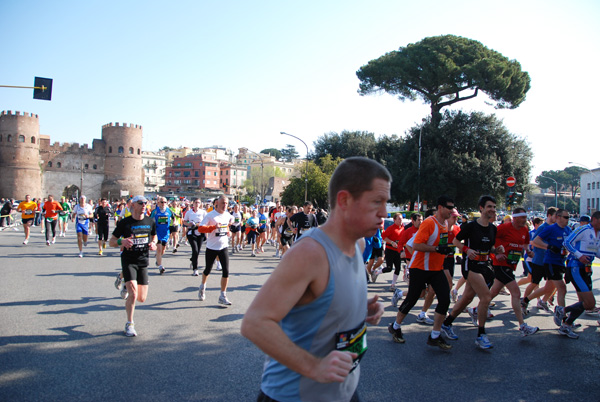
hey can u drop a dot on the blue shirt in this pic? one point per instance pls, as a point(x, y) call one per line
point(538, 253)
point(554, 235)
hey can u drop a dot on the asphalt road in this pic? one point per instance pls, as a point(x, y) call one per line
point(61, 338)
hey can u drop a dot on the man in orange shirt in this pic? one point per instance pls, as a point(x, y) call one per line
point(426, 267)
point(51, 209)
point(390, 237)
point(27, 209)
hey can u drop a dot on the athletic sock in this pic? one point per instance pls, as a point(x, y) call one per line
point(396, 325)
point(574, 310)
point(449, 320)
point(435, 334)
point(422, 314)
point(480, 331)
point(394, 279)
point(526, 300)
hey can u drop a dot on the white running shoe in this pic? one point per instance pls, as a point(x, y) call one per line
point(161, 270)
point(219, 267)
point(81, 255)
point(195, 273)
point(124, 293)
point(118, 281)
point(473, 313)
point(201, 295)
point(47, 242)
point(454, 294)
point(53, 240)
point(25, 241)
point(483, 342)
point(396, 297)
point(527, 330)
point(223, 300)
point(424, 319)
point(130, 330)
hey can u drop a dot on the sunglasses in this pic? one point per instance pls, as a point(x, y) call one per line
point(141, 203)
point(449, 206)
point(565, 216)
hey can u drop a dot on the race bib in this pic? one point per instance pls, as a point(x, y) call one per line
point(443, 239)
point(236, 220)
point(28, 212)
point(81, 217)
point(588, 268)
point(482, 256)
point(354, 341)
point(140, 243)
point(288, 232)
point(63, 213)
point(163, 220)
point(514, 256)
point(221, 230)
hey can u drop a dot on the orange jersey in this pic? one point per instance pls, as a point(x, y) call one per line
point(52, 208)
point(431, 233)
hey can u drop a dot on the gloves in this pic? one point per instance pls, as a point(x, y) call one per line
point(554, 249)
point(444, 250)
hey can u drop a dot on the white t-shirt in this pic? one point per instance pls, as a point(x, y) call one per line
point(194, 217)
point(237, 219)
point(218, 239)
point(80, 211)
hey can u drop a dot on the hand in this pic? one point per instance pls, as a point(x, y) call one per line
point(501, 257)
point(530, 253)
point(152, 246)
point(374, 310)
point(444, 250)
point(584, 259)
point(334, 367)
point(127, 242)
point(554, 249)
point(500, 250)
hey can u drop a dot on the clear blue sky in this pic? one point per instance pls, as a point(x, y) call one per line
point(236, 73)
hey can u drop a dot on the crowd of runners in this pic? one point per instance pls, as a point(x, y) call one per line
point(421, 255)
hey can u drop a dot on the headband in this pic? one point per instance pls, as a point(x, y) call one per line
point(520, 214)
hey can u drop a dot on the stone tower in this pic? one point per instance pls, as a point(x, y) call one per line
point(123, 162)
point(20, 155)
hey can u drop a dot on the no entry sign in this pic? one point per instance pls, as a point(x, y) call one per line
point(511, 181)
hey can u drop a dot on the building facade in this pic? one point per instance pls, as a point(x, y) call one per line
point(30, 164)
point(155, 165)
point(590, 192)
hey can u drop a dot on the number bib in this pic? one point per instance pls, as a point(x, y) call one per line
point(514, 256)
point(163, 220)
point(221, 230)
point(354, 341)
point(81, 217)
point(28, 212)
point(482, 256)
point(140, 243)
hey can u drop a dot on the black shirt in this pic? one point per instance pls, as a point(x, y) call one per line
point(479, 238)
point(103, 214)
point(142, 232)
point(303, 222)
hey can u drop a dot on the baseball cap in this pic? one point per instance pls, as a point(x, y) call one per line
point(585, 218)
point(139, 198)
point(454, 212)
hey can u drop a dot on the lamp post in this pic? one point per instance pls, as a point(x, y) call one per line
point(306, 169)
point(262, 167)
point(555, 189)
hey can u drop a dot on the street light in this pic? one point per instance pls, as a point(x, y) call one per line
point(306, 169)
point(555, 189)
point(262, 167)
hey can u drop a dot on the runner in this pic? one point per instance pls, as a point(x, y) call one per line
point(310, 316)
point(63, 216)
point(252, 231)
point(391, 238)
point(102, 215)
point(263, 224)
point(304, 220)
point(476, 241)
point(50, 211)
point(162, 218)
point(27, 209)
point(513, 236)
point(137, 235)
point(191, 220)
point(285, 227)
point(82, 213)
point(426, 267)
point(236, 231)
point(216, 224)
point(583, 246)
point(175, 223)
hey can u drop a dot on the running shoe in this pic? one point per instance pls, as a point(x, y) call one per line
point(219, 267)
point(473, 313)
point(175, 249)
point(195, 273)
point(130, 330)
point(201, 295)
point(454, 295)
point(527, 330)
point(503, 292)
point(53, 240)
point(161, 270)
point(81, 255)
point(396, 297)
point(396, 333)
point(386, 270)
point(449, 332)
point(118, 281)
point(559, 315)
point(85, 244)
point(47, 242)
point(542, 305)
point(252, 255)
point(567, 330)
point(524, 307)
point(224, 300)
point(124, 293)
point(392, 288)
point(593, 312)
point(374, 275)
point(100, 252)
point(103, 245)
point(482, 342)
point(424, 319)
point(439, 342)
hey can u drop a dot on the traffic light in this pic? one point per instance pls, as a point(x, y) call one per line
point(512, 197)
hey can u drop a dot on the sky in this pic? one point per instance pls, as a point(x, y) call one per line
point(237, 73)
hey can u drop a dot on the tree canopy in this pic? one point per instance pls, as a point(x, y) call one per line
point(443, 70)
point(567, 179)
point(273, 152)
point(289, 153)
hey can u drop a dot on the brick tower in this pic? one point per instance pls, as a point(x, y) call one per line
point(123, 162)
point(20, 155)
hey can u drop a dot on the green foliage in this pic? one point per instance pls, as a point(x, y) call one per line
point(318, 183)
point(443, 70)
point(273, 152)
point(289, 153)
point(346, 144)
point(567, 179)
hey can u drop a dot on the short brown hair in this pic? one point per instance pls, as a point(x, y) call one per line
point(355, 175)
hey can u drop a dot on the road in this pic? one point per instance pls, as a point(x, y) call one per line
point(61, 338)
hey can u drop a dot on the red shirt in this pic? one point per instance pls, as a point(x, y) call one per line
point(52, 208)
point(394, 233)
point(406, 236)
point(514, 241)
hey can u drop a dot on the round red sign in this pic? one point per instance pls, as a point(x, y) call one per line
point(511, 181)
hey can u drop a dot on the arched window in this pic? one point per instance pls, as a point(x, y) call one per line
point(21, 138)
point(33, 140)
point(0, 137)
point(121, 150)
point(87, 166)
point(95, 167)
point(110, 150)
point(9, 138)
point(130, 151)
point(58, 164)
point(49, 163)
point(138, 151)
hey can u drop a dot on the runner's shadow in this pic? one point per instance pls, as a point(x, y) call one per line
point(69, 334)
